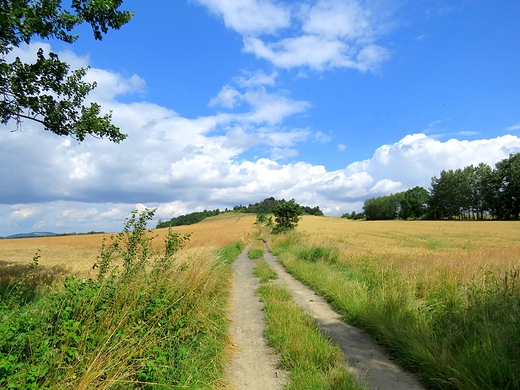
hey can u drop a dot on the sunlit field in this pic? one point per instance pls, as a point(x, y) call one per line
point(443, 297)
point(457, 250)
point(76, 254)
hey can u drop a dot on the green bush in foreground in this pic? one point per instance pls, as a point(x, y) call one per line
point(160, 321)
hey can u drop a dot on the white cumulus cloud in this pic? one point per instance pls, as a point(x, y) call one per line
point(322, 35)
point(250, 16)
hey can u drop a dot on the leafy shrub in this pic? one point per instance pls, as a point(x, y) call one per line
point(134, 244)
point(287, 215)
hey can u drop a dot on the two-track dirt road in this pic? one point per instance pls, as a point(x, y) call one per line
point(254, 364)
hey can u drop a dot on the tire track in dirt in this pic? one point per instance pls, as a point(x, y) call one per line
point(365, 360)
point(253, 364)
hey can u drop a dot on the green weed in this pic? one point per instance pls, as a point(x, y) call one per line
point(255, 254)
point(229, 253)
point(434, 244)
point(319, 253)
point(256, 251)
point(264, 272)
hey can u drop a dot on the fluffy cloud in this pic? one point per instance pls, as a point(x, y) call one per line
point(327, 34)
point(257, 78)
point(22, 211)
point(180, 164)
point(209, 179)
point(227, 97)
point(336, 19)
point(112, 84)
point(308, 50)
point(250, 16)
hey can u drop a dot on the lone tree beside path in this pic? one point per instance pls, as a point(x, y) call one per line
point(286, 215)
point(47, 91)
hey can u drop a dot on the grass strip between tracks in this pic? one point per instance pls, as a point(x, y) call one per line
point(313, 361)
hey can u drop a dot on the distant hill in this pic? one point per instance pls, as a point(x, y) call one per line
point(30, 235)
point(265, 207)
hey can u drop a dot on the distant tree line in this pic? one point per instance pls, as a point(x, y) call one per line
point(408, 204)
point(264, 207)
point(269, 204)
point(188, 219)
point(474, 192)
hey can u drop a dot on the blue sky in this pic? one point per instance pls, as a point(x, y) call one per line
point(228, 102)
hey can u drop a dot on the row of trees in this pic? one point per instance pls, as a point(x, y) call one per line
point(474, 192)
point(269, 204)
point(478, 192)
point(408, 204)
point(188, 219)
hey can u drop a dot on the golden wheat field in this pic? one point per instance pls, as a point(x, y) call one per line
point(458, 250)
point(425, 249)
point(76, 254)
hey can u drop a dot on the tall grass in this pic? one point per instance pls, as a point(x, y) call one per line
point(158, 322)
point(455, 332)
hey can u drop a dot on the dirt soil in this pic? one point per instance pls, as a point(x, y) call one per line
point(253, 364)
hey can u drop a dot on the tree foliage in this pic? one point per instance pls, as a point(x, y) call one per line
point(473, 192)
point(48, 91)
point(383, 207)
point(507, 186)
point(464, 193)
point(188, 219)
point(414, 203)
point(353, 215)
point(286, 215)
point(267, 206)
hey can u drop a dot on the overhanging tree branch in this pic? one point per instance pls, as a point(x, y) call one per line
point(47, 91)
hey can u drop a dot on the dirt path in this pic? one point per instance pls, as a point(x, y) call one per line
point(254, 365)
